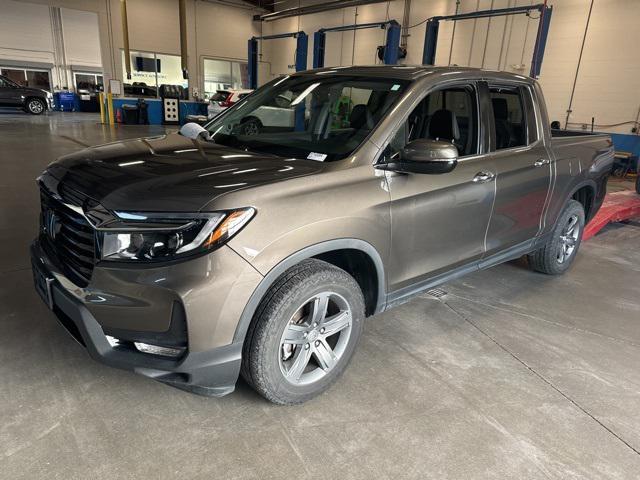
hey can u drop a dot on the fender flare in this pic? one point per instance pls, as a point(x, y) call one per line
point(297, 257)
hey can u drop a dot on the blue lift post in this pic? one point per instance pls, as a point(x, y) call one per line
point(302, 43)
point(391, 47)
point(433, 25)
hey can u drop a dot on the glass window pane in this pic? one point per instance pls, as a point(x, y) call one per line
point(239, 74)
point(217, 76)
point(143, 75)
point(85, 82)
point(434, 116)
point(244, 75)
point(38, 79)
point(16, 75)
point(508, 113)
point(170, 71)
point(295, 117)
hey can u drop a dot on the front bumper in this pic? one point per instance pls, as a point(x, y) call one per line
point(209, 366)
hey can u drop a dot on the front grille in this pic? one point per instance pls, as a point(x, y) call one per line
point(68, 236)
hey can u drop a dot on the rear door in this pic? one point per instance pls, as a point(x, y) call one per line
point(522, 164)
point(439, 222)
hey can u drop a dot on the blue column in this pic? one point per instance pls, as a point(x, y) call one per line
point(252, 66)
point(541, 41)
point(318, 49)
point(302, 45)
point(430, 42)
point(392, 46)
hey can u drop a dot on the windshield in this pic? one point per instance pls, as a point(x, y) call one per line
point(315, 117)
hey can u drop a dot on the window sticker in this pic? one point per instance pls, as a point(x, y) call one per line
point(395, 87)
point(316, 156)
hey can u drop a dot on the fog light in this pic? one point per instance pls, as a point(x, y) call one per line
point(159, 350)
point(147, 348)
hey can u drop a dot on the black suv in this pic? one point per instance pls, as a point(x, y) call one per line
point(31, 100)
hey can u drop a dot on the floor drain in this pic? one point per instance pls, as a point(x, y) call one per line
point(436, 292)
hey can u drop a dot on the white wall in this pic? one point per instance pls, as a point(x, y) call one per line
point(25, 32)
point(81, 38)
point(608, 86)
point(30, 36)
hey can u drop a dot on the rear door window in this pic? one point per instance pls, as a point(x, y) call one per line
point(509, 116)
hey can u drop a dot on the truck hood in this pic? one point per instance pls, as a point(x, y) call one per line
point(169, 173)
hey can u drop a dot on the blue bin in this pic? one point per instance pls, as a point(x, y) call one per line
point(66, 101)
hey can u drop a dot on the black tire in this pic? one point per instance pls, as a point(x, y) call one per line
point(638, 183)
point(251, 126)
point(263, 353)
point(548, 258)
point(35, 106)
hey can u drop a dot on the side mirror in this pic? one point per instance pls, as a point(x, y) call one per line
point(425, 156)
point(194, 131)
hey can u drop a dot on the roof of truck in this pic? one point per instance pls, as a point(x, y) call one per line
point(413, 72)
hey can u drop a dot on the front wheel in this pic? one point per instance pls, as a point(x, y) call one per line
point(304, 333)
point(251, 127)
point(35, 106)
point(560, 250)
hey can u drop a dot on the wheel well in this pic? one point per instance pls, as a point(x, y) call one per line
point(32, 97)
point(361, 267)
point(584, 195)
point(250, 117)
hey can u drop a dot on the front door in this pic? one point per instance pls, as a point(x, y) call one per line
point(522, 166)
point(9, 93)
point(439, 222)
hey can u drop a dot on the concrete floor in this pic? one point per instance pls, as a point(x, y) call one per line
point(510, 375)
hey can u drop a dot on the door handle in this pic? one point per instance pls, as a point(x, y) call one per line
point(482, 177)
point(541, 161)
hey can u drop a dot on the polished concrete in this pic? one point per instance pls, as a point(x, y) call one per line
point(509, 375)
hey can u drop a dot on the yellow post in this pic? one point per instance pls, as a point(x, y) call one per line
point(110, 107)
point(101, 103)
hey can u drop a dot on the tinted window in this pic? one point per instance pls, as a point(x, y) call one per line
point(509, 117)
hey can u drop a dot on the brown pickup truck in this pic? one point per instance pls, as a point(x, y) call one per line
point(259, 247)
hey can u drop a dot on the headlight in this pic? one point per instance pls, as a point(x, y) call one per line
point(154, 237)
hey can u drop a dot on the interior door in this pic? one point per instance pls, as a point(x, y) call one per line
point(439, 222)
point(522, 165)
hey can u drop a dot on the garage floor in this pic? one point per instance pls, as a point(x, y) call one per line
point(510, 375)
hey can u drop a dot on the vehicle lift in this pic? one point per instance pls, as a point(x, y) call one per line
point(302, 43)
point(433, 24)
point(391, 47)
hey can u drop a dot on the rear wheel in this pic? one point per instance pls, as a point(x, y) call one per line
point(35, 106)
point(557, 255)
point(304, 333)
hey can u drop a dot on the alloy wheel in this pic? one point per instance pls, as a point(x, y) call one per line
point(568, 239)
point(315, 338)
point(251, 128)
point(35, 106)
